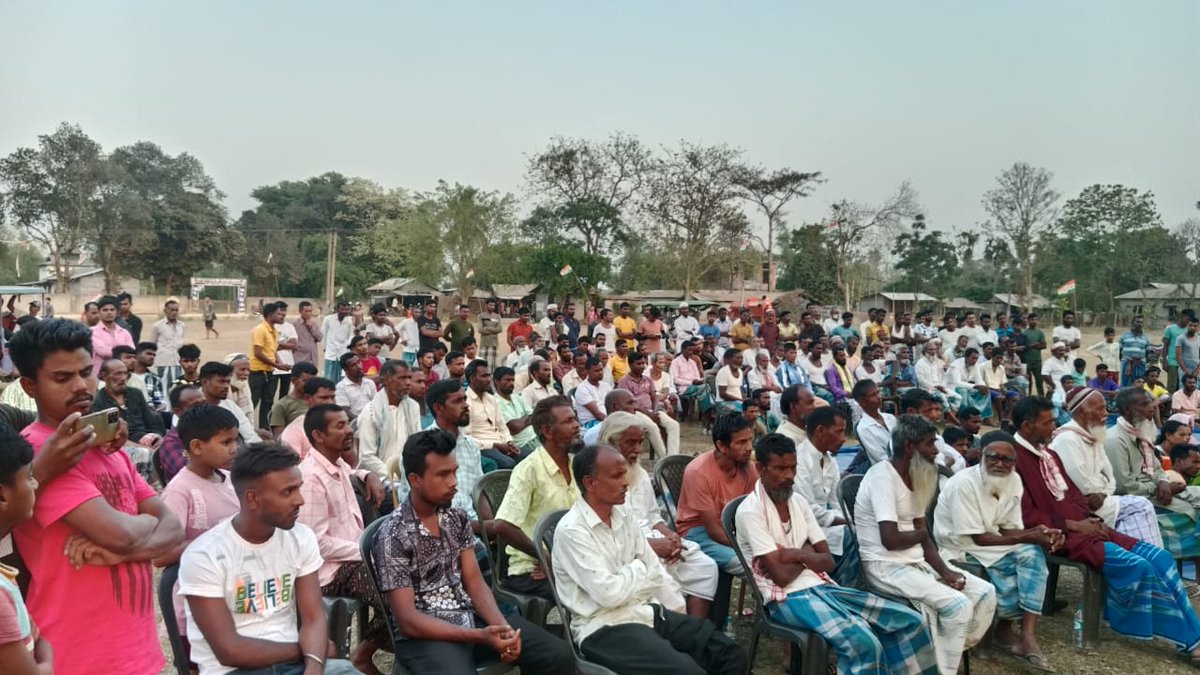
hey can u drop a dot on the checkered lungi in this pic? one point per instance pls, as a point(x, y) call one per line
point(1136, 517)
point(870, 634)
point(1020, 580)
point(957, 619)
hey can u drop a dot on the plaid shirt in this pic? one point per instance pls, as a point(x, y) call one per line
point(171, 455)
point(331, 510)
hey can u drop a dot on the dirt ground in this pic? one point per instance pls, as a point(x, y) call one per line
point(1114, 654)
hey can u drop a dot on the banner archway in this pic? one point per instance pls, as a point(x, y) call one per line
point(200, 283)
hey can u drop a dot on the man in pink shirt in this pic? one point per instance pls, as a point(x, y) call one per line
point(94, 529)
point(1187, 399)
point(108, 333)
point(645, 399)
point(711, 481)
point(331, 510)
point(686, 372)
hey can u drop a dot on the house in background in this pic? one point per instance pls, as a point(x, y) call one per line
point(1159, 302)
point(960, 306)
point(896, 301)
point(1007, 303)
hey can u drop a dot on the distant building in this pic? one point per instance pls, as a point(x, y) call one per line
point(1159, 302)
point(1007, 303)
point(896, 301)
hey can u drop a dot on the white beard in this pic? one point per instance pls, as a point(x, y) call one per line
point(1098, 432)
point(1146, 428)
point(924, 476)
point(635, 472)
point(1000, 486)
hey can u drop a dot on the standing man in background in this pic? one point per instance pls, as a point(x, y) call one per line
point(210, 317)
point(285, 354)
point(308, 334)
point(489, 329)
point(264, 346)
point(459, 328)
point(337, 328)
point(130, 321)
point(167, 335)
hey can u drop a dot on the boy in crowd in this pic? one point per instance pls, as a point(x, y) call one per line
point(189, 362)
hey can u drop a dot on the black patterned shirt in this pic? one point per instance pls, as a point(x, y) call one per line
point(408, 556)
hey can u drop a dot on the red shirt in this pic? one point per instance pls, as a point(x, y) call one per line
point(516, 328)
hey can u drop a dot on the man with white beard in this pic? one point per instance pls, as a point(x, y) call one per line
point(691, 580)
point(1137, 471)
point(978, 517)
point(1080, 445)
point(899, 555)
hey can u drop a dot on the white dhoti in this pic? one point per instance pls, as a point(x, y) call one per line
point(672, 428)
point(695, 574)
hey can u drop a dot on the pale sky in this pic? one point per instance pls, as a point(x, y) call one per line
point(944, 94)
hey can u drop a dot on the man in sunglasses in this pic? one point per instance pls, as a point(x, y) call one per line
point(978, 518)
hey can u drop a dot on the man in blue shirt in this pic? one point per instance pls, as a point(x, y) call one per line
point(1134, 347)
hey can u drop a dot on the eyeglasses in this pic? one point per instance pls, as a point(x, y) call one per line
point(1002, 459)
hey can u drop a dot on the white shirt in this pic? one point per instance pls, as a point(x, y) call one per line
point(605, 576)
point(861, 373)
point(929, 373)
point(817, 477)
point(383, 332)
point(168, 337)
point(1088, 467)
point(815, 372)
point(965, 508)
point(972, 333)
point(986, 337)
point(731, 381)
point(382, 430)
point(284, 332)
point(883, 496)
point(686, 328)
point(959, 374)
point(609, 333)
point(245, 429)
point(356, 397)
point(948, 456)
point(724, 326)
point(1066, 336)
point(829, 324)
point(949, 338)
point(876, 438)
point(922, 331)
point(410, 335)
point(1055, 368)
point(792, 432)
point(337, 335)
point(587, 393)
point(256, 581)
point(536, 392)
point(759, 532)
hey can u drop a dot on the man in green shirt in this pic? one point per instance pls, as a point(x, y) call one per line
point(515, 410)
point(292, 405)
point(1031, 355)
point(1172, 331)
point(459, 329)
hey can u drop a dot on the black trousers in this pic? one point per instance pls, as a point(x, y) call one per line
point(262, 393)
point(677, 644)
point(527, 585)
point(541, 653)
point(283, 384)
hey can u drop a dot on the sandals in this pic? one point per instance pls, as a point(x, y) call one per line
point(1035, 661)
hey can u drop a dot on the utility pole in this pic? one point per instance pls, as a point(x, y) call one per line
point(331, 271)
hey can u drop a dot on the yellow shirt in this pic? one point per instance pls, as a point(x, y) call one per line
point(1158, 391)
point(264, 335)
point(623, 324)
point(741, 334)
point(536, 488)
point(619, 365)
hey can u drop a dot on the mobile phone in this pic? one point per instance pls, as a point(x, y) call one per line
point(105, 423)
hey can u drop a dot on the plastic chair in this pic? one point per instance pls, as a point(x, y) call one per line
point(543, 540)
point(1094, 590)
point(668, 472)
point(341, 612)
point(810, 653)
point(488, 494)
point(366, 546)
point(847, 492)
point(166, 604)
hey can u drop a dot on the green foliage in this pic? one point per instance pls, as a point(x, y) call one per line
point(926, 260)
point(806, 263)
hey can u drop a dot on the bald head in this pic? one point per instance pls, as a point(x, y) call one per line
point(619, 400)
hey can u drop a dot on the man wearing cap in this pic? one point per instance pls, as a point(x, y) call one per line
point(686, 326)
point(1079, 445)
point(1056, 366)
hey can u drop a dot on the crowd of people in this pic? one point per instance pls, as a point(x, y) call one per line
point(256, 474)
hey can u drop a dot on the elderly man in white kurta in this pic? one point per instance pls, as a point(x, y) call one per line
point(691, 579)
point(978, 519)
point(1080, 445)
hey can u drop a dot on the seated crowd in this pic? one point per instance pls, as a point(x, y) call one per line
point(947, 536)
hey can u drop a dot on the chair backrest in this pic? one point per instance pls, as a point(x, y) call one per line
point(543, 541)
point(668, 471)
point(729, 524)
point(488, 494)
point(366, 547)
point(847, 494)
point(166, 605)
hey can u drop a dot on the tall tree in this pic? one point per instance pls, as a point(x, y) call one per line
point(857, 231)
point(1022, 205)
point(54, 191)
point(926, 260)
point(579, 171)
point(597, 222)
point(806, 263)
point(770, 192)
point(691, 202)
point(166, 209)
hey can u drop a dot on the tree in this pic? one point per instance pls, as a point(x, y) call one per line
point(691, 202)
point(926, 260)
point(54, 191)
point(806, 262)
point(770, 192)
point(596, 221)
point(578, 171)
point(162, 208)
point(857, 230)
point(1021, 205)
